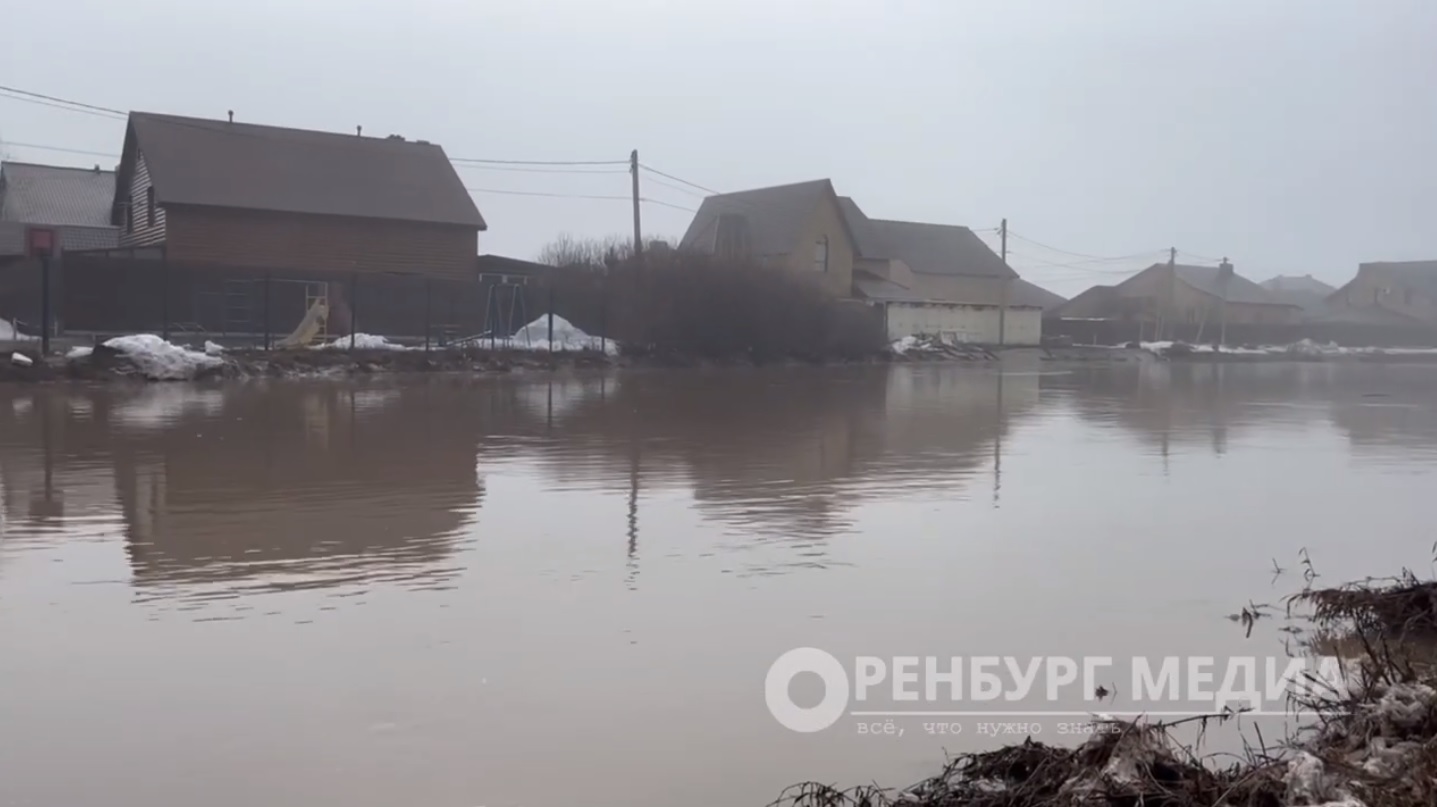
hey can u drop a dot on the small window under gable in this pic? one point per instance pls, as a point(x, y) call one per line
point(820, 254)
point(150, 205)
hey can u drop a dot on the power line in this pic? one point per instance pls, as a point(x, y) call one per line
point(54, 99)
point(672, 186)
point(508, 192)
point(536, 162)
point(105, 115)
point(60, 149)
point(527, 170)
point(653, 170)
point(667, 204)
point(1081, 254)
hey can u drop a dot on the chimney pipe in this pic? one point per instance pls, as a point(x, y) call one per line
point(359, 131)
point(232, 116)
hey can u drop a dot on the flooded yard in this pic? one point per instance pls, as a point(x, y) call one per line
point(506, 591)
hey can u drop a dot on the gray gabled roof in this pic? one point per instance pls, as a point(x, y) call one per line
point(939, 249)
point(1025, 293)
point(55, 195)
point(774, 216)
point(1238, 289)
point(194, 161)
point(935, 249)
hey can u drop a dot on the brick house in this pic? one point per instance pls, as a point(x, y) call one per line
point(242, 194)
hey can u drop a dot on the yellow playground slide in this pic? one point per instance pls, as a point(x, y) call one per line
point(309, 327)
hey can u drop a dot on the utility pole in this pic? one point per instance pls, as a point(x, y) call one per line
point(638, 233)
point(1003, 296)
point(1169, 304)
point(1224, 277)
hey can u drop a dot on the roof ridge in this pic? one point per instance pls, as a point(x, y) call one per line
point(920, 223)
point(218, 125)
point(775, 187)
point(84, 169)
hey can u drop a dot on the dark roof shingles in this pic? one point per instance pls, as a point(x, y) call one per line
point(55, 195)
point(196, 161)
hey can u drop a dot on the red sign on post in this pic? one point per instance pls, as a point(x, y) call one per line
point(41, 242)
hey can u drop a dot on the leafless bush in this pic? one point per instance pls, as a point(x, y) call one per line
point(697, 307)
point(571, 251)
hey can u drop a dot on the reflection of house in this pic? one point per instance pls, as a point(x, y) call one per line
point(1306, 292)
point(1167, 296)
point(75, 201)
point(318, 484)
point(266, 196)
point(1400, 293)
point(929, 278)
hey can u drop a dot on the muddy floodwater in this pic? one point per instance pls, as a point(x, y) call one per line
point(507, 591)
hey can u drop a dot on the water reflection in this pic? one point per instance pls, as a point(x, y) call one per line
point(540, 562)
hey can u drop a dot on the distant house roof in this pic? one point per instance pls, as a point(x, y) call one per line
point(1097, 302)
point(1306, 291)
point(76, 201)
point(772, 217)
point(1419, 275)
point(1297, 283)
point(1237, 289)
point(194, 161)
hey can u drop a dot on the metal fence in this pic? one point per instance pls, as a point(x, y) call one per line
point(100, 295)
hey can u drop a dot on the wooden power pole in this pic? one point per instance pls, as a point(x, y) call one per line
point(1003, 296)
point(638, 232)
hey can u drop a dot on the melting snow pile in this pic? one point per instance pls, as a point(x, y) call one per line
point(360, 341)
point(158, 360)
point(1304, 347)
point(535, 336)
point(21, 359)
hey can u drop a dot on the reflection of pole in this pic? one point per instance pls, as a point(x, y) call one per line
point(633, 562)
point(998, 446)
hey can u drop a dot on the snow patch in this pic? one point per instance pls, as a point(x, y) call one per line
point(79, 352)
point(360, 341)
point(535, 336)
point(904, 345)
point(159, 360)
point(21, 359)
point(8, 333)
point(213, 349)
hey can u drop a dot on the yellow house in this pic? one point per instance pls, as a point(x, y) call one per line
point(930, 279)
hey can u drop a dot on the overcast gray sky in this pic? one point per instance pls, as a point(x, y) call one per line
point(1293, 136)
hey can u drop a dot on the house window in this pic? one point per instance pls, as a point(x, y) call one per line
point(820, 254)
point(150, 206)
point(129, 218)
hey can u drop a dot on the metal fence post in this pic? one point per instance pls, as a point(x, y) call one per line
point(551, 318)
point(428, 324)
point(165, 298)
point(353, 308)
point(44, 305)
point(266, 310)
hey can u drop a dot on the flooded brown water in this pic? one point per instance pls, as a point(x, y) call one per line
point(510, 592)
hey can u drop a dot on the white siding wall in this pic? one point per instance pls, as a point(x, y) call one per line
point(144, 234)
point(966, 323)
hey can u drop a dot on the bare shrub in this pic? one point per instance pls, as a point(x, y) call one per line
point(696, 306)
